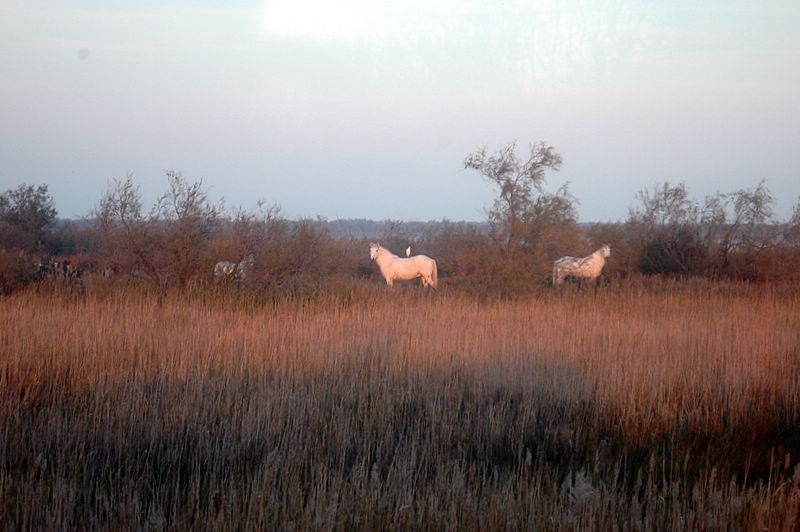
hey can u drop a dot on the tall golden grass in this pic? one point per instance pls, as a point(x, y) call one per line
point(668, 407)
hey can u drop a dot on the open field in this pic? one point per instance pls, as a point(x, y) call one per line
point(667, 407)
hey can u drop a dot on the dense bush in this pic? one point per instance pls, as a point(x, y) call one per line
point(16, 270)
point(674, 250)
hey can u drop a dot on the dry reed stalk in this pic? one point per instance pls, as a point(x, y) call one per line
point(399, 409)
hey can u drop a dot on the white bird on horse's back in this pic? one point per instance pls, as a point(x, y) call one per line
point(394, 268)
point(588, 267)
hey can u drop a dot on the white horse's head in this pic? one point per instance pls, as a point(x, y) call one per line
point(606, 249)
point(374, 248)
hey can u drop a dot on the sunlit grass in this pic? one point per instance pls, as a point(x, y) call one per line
point(659, 407)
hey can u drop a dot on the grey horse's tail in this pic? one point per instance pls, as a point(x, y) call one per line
point(435, 276)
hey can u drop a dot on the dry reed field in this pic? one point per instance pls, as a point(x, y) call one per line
point(675, 406)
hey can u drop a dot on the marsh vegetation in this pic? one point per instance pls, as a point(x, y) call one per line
point(660, 406)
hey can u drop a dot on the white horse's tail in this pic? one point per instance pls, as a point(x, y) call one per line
point(434, 275)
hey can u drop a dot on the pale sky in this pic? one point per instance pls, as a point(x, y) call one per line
point(367, 109)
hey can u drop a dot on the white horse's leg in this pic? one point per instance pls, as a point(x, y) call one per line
point(557, 277)
point(430, 282)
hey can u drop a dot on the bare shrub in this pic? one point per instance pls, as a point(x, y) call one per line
point(667, 229)
point(186, 220)
point(740, 232)
point(461, 255)
point(167, 247)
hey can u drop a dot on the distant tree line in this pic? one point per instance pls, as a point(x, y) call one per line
point(175, 243)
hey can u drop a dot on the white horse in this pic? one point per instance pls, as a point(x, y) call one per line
point(588, 267)
point(394, 268)
point(233, 270)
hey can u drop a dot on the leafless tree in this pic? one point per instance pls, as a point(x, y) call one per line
point(530, 226)
point(187, 219)
point(522, 198)
point(125, 235)
point(739, 223)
